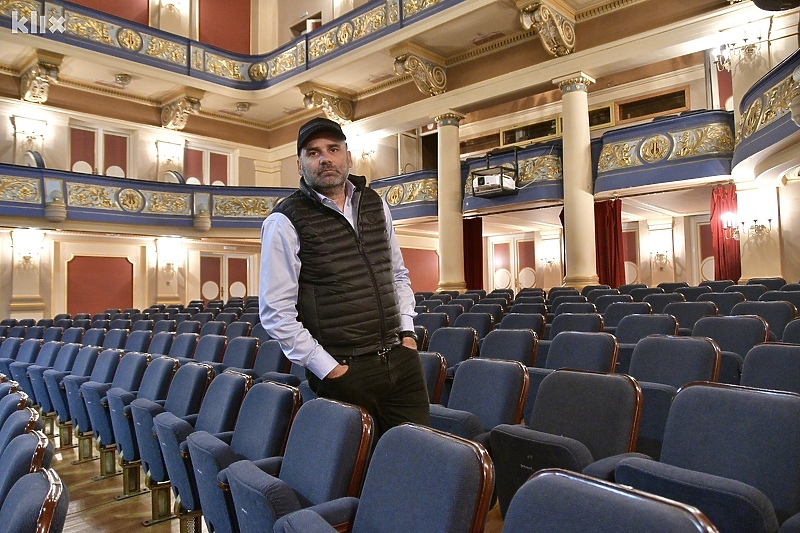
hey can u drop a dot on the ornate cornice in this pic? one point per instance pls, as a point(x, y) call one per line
point(604, 9)
point(337, 106)
point(427, 70)
point(555, 30)
point(449, 119)
point(578, 81)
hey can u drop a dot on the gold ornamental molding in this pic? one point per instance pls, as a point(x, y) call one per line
point(556, 30)
point(20, 190)
point(578, 81)
point(424, 190)
point(175, 113)
point(777, 101)
point(337, 106)
point(428, 70)
point(243, 206)
point(449, 119)
point(37, 76)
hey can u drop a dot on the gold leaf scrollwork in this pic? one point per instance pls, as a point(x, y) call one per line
point(778, 101)
point(654, 148)
point(224, 68)
point(322, 44)
point(395, 195)
point(617, 156)
point(243, 206)
point(258, 71)
point(711, 139)
point(162, 202)
point(542, 168)
point(88, 28)
point(129, 39)
point(751, 118)
point(412, 7)
point(130, 200)
point(14, 189)
point(21, 7)
point(345, 33)
point(393, 11)
point(92, 196)
point(173, 52)
point(426, 190)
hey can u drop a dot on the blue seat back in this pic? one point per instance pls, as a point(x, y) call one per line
point(689, 312)
point(723, 300)
point(222, 401)
point(772, 366)
point(238, 329)
point(659, 300)
point(482, 323)
point(750, 291)
point(115, 339)
point(208, 348)
point(733, 333)
point(491, 389)
point(455, 344)
point(94, 337)
point(37, 502)
point(639, 293)
point(138, 341)
point(616, 311)
point(270, 358)
point(777, 313)
point(241, 352)
point(434, 368)
point(25, 453)
point(576, 322)
point(73, 335)
point(583, 350)
point(511, 344)
point(675, 361)
point(53, 333)
point(691, 293)
point(161, 343)
point(632, 328)
point(213, 327)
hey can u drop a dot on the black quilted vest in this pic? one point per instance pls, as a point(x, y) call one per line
point(347, 297)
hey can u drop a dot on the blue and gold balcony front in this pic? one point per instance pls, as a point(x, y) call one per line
point(58, 199)
point(410, 196)
point(539, 178)
point(689, 148)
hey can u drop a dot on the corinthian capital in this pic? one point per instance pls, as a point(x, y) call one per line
point(556, 30)
point(35, 80)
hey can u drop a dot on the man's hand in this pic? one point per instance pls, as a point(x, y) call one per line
point(409, 342)
point(337, 371)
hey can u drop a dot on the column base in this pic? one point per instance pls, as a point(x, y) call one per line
point(579, 282)
point(460, 286)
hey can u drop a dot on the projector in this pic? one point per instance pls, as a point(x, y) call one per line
point(491, 182)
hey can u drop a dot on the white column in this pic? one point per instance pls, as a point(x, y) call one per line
point(451, 229)
point(581, 261)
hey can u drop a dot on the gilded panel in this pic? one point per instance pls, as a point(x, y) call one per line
point(166, 203)
point(778, 101)
point(424, 190)
point(22, 8)
point(92, 196)
point(167, 50)
point(618, 156)
point(704, 140)
point(542, 168)
point(243, 206)
point(20, 190)
point(224, 68)
point(89, 28)
point(352, 30)
point(412, 7)
point(286, 61)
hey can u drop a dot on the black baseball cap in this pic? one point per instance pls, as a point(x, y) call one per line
point(316, 125)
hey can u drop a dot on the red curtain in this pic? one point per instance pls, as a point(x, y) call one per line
point(608, 242)
point(727, 258)
point(473, 252)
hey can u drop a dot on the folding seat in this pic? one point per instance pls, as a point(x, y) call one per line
point(482, 323)
point(772, 284)
point(164, 324)
point(575, 307)
point(63, 323)
point(84, 323)
point(12, 402)
point(531, 291)
point(594, 294)
point(308, 475)
point(192, 347)
point(788, 296)
point(120, 323)
point(430, 305)
point(103, 372)
point(127, 377)
point(596, 287)
point(558, 300)
point(94, 337)
point(183, 347)
point(179, 318)
point(83, 364)
point(735, 335)
point(723, 300)
point(772, 365)
point(455, 344)
point(170, 311)
point(18, 423)
point(639, 293)
point(73, 335)
point(480, 292)
point(559, 500)
point(474, 296)
point(8, 386)
point(568, 322)
point(213, 327)
point(26, 322)
point(452, 311)
point(273, 406)
point(577, 418)
point(138, 341)
point(203, 317)
point(115, 339)
point(466, 303)
point(662, 364)
point(776, 313)
point(496, 310)
point(626, 288)
point(161, 343)
point(750, 292)
point(188, 326)
point(432, 321)
point(434, 368)
point(791, 287)
point(226, 317)
point(576, 350)
point(26, 353)
point(251, 318)
point(532, 321)
point(540, 308)
point(659, 300)
point(217, 414)
point(689, 312)
point(34, 332)
point(238, 329)
point(186, 391)
point(616, 311)
point(37, 502)
point(10, 322)
point(422, 336)
point(52, 333)
point(46, 356)
point(240, 355)
point(444, 298)
point(691, 293)
point(260, 333)
point(633, 328)
point(602, 302)
point(136, 317)
point(46, 322)
point(565, 291)
point(717, 285)
point(485, 394)
point(713, 434)
point(270, 358)
point(61, 316)
point(16, 331)
point(453, 497)
point(500, 300)
point(82, 316)
point(510, 344)
point(791, 332)
point(25, 453)
point(528, 300)
point(671, 286)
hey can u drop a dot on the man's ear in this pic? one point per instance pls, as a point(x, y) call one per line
point(349, 159)
point(299, 167)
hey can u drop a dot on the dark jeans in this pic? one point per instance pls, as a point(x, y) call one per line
point(391, 388)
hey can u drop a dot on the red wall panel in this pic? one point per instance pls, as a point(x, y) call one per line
point(133, 10)
point(210, 271)
point(226, 24)
point(423, 268)
point(95, 284)
point(193, 164)
point(237, 271)
point(218, 170)
point(706, 241)
point(81, 146)
point(115, 151)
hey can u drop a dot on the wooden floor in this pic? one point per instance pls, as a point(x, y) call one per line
point(92, 506)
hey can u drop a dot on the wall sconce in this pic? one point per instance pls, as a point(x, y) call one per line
point(745, 52)
point(27, 245)
point(169, 255)
point(175, 6)
point(758, 231)
point(660, 260)
point(168, 269)
point(729, 226)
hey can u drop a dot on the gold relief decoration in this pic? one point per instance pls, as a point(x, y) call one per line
point(369, 22)
point(198, 58)
point(429, 77)
point(426, 190)
point(92, 196)
point(169, 203)
point(555, 31)
point(89, 28)
point(224, 68)
point(654, 148)
point(618, 156)
point(412, 7)
point(710, 139)
point(287, 61)
point(167, 50)
point(129, 39)
point(258, 71)
point(22, 8)
point(395, 195)
point(16, 189)
point(339, 108)
point(35, 82)
point(777, 102)
point(175, 114)
point(243, 206)
point(322, 44)
point(751, 118)
point(130, 200)
point(393, 11)
point(542, 168)
point(344, 33)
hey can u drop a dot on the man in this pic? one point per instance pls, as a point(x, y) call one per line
point(334, 290)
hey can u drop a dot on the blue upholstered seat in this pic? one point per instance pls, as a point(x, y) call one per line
point(434, 367)
point(592, 322)
point(12, 402)
point(777, 313)
point(19, 422)
point(53, 378)
point(618, 310)
point(632, 328)
point(238, 329)
point(772, 365)
point(161, 343)
point(688, 313)
point(691, 293)
point(723, 300)
point(240, 354)
point(94, 337)
point(750, 291)
point(602, 302)
point(512, 344)
point(38, 502)
point(532, 321)
point(672, 286)
point(735, 335)
point(25, 453)
point(659, 300)
point(775, 283)
point(261, 431)
point(453, 496)
point(26, 353)
point(639, 293)
point(432, 321)
point(482, 323)
point(717, 285)
point(45, 357)
point(138, 341)
point(103, 372)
